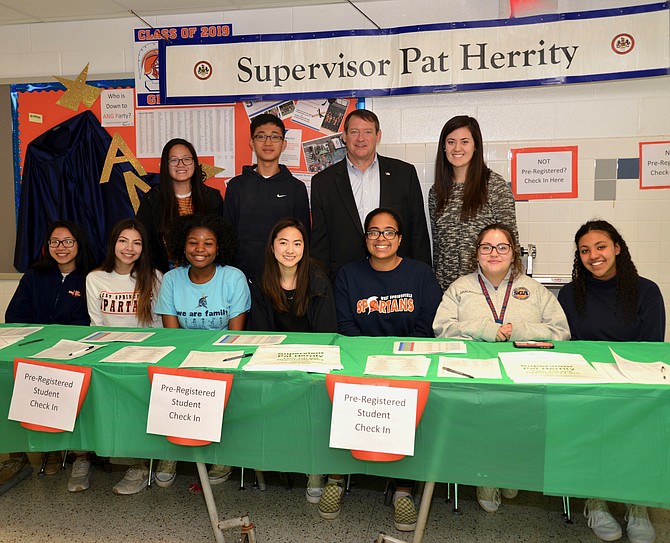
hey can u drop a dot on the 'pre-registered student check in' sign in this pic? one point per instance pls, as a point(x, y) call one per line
point(373, 418)
point(46, 396)
point(186, 407)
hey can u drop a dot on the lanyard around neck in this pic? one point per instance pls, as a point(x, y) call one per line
point(496, 318)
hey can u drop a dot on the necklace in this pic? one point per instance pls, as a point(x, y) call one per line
point(199, 280)
point(290, 294)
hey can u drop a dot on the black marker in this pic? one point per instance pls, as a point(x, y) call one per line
point(29, 342)
point(445, 368)
point(237, 357)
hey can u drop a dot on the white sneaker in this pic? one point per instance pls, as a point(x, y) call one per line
point(639, 529)
point(219, 473)
point(489, 498)
point(81, 474)
point(166, 473)
point(135, 479)
point(509, 493)
point(601, 521)
point(314, 487)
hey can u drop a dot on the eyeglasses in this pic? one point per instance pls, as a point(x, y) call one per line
point(501, 248)
point(274, 138)
point(186, 161)
point(388, 234)
point(67, 243)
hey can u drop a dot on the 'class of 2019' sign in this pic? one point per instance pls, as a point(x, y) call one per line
point(548, 49)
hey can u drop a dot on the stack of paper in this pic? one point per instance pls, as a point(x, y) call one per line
point(548, 367)
point(428, 347)
point(403, 366)
point(309, 358)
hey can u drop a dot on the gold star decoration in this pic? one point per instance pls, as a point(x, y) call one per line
point(78, 91)
point(209, 170)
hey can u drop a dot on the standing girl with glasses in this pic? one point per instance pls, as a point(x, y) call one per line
point(499, 303)
point(465, 197)
point(50, 292)
point(181, 192)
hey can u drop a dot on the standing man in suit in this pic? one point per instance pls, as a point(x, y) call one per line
point(344, 193)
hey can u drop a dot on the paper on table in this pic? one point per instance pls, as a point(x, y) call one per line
point(478, 368)
point(238, 339)
point(66, 349)
point(139, 355)
point(6, 341)
point(223, 360)
point(651, 373)
point(548, 367)
point(106, 336)
point(406, 366)
point(427, 347)
point(309, 358)
point(610, 372)
point(20, 331)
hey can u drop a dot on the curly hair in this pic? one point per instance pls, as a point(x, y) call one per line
point(516, 264)
point(475, 192)
point(169, 207)
point(627, 278)
point(226, 239)
point(271, 280)
point(146, 281)
point(84, 259)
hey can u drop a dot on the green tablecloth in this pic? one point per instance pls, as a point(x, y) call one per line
point(606, 441)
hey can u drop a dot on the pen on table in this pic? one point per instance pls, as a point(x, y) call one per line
point(237, 357)
point(29, 342)
point(458, 372)
point(82, 350)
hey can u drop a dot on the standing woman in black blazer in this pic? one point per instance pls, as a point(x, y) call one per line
point(181, 191)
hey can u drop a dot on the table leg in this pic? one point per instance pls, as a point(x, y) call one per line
point(424, 508)
point(209, 500)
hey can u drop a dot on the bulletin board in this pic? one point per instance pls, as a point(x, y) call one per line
point(318, 122)
point(313, 143)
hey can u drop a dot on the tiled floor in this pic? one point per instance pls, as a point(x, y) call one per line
point(42, 510)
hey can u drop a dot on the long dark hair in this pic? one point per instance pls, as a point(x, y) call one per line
point(169, 206)
point(271, 279)
point(84, 259)
point(226, 239)
point(143, 272)
point(516, 264)
point(475, 192)
point(627, 278)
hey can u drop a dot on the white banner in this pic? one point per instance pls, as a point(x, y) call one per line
point(548, 49)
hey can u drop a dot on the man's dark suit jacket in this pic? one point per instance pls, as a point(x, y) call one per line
point(337, 232)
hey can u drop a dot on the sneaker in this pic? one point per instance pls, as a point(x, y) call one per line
point(166, 473)
point(314, 487)
point(80, 476)
point(601, 521)
point(639, 529)
point(14, 470)
point(330, 502)
point(509, 493)
point(489, 498)
point(219, 473)
point(135, 479)
point(404, 516)
point(54, 463)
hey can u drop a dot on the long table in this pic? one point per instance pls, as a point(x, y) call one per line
point(608, 441)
